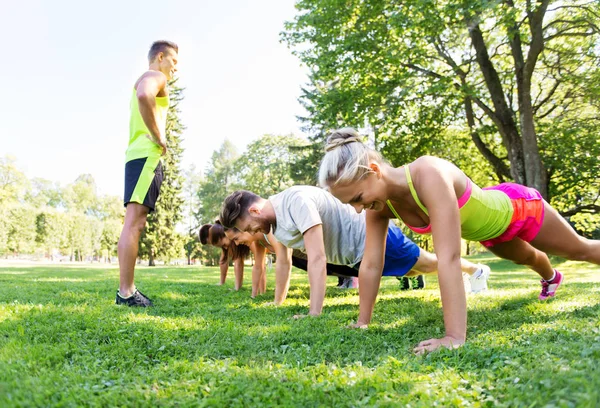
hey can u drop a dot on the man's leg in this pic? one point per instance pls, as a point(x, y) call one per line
point(478, 273)
point(143, 178)
point(127, 250)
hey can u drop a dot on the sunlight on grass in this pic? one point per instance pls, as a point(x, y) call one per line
point(169, 323)
point(64, 342)
point(174, 296)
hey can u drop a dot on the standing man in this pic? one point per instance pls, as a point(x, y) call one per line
point(143, 165)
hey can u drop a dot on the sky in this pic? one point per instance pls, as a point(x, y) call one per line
point(69, 67)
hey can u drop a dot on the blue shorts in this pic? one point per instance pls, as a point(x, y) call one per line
point(401, 254)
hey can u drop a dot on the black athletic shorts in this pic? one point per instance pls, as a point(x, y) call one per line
point(143, 178)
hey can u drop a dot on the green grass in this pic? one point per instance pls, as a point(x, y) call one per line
point(64, 343)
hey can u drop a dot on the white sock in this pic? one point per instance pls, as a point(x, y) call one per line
point(127, 297)
point(553, 276)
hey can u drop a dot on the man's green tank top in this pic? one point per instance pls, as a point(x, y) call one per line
point(139, 144)
point(486, 214)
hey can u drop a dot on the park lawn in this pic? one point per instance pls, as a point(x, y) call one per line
point(63, 342)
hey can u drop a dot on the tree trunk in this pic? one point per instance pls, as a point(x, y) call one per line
point(151, 257)
point(502, 115)
point(502, 171)
point(535, 172)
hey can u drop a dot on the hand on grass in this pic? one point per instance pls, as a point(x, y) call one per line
point(433, 344)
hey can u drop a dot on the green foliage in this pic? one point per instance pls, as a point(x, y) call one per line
point(192, 182)
point(44, 193)
point(519, 79)
point(20, 229)
point(81, 196)
point(265, 167)
point(51, 230)
point(39, 217)
point(63, 342)
point(13, 182)
point(220, 180)
point(160, 238)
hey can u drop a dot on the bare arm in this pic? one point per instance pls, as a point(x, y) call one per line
point(147, 89)
point(224, 266)
point(371, 266)
point(258, 268)
point(317, 268)
point(238, 268)
point(283, 269)
point(439, 197)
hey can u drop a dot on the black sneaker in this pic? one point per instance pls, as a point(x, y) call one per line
point(420, 282)
point(404, 283)
point(137, 299)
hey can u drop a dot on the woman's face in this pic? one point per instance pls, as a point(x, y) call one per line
point(222, 243)
point(368, 193)
point(241, 238)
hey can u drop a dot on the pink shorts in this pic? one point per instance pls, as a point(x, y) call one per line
point(528, 213)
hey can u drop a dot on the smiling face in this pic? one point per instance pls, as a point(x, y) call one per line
point(253, 224)
point(223, 242)
point(367, 193)
point(167, 62)
point(240, 237)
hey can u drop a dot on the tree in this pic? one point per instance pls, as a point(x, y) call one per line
point(266, 166)
point(44, 193)
point(219, 181)
point(518, 76)
point(81, 196)
point(13, 182)
point(20, 237)
point(51, 230)
point(160, 239)
point(192, 182)
point(111, 230)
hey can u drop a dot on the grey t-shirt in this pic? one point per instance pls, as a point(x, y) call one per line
point(300, 208)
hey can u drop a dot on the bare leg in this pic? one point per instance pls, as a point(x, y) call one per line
point(428, 263)
point(522, 253)
point(557, 237)
point(127, 249)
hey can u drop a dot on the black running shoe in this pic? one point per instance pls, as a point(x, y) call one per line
point(420, 282)
point(404, 283)
point(137, 299)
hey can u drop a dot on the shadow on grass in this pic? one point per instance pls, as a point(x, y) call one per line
point(203, 320)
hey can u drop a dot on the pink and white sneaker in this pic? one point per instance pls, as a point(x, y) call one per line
point(549, 288)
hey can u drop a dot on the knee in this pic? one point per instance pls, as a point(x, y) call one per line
point(587, 250)
point(137, 226)
point(529, 258)
point(427, 264)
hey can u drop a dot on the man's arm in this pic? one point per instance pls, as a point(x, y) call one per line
point(148, 88)
point(283, 270)
point(317, 267)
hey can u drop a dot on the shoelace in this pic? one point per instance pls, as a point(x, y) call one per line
point(545, 287)
point(143, 295)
